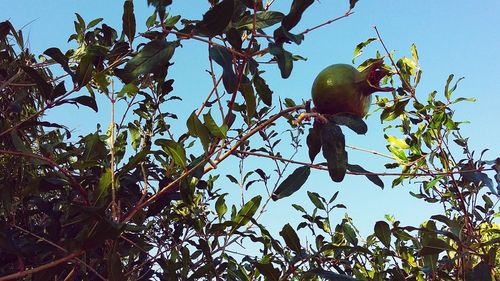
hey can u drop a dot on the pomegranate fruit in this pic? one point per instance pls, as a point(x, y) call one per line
point(341, 88)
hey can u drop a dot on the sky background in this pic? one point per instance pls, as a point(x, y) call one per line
point(459, 37)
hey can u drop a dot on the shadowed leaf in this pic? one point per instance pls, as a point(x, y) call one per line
point(292, 183)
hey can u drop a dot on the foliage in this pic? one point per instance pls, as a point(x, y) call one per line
point(136, 202)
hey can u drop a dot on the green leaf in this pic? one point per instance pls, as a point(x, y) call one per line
point(314, 141)
point(216, 20)
point(41, 82)
point(283, 58)
point(291, 238)
point(447, 90)
point(292, 183)
point(349, 234)
point(314, 197)
point(263, 20)
point(215, 130)
point(128, 20)
point(351, 121)
point(94, 22)
point(197, 129)
point(224, 58)
point(129, 90)
point(220, 206)
point(434, 246)
point(246, 90)
point(263, 90)
point(383, 233)
point(372, 177)
point(174, 149)
point(247, 211)
point(333, 144)
point(154, 56)
point(359, 48)
point(393, 112)
point(394, 141)
point(151, 20)
point(84, 70)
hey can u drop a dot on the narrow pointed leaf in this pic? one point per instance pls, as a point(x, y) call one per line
point(292, 183)
point(128, 20)
point(372, 177)
point(314, 141)
point(333, 145)
point(291, 238)
point(247, 211)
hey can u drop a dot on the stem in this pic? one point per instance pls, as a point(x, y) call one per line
point(46, 266)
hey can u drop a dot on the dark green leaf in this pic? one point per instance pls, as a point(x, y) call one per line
point(328, 275)
point(216, 20)
point(333, 144)
point(84, 70)
point(268, 271)
point(283, 58)
point(128, 20)
point(87, 101)
point(434, 246)
point(224, 58)
point(291, 238)
point(349, 234)
point(352, 3)
point(247, 211)
point(296, 10)
point(197, 129)
point(292, 183)
point(263, 20)
point(393, 112)
point(314, 197)
point(5, 28)
point(60, 58)
point(41, 82)
point(246, 90)
point(372, 177)
point(263, 90)
point(314, 141)
point(154, 56)
point(352, 122)
point(174, 149)
point(383, 233)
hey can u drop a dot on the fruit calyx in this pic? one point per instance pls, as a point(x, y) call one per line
point(371, 77)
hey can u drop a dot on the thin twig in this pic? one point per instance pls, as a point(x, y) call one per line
point(46, 266)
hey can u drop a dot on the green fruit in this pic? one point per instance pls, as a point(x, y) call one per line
point(341, 88)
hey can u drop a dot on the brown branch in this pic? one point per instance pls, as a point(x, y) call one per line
point(324, 168)
point(60, 248)
point(252, 132)
point(46, 266)
point(348, 13)
point(394, 63)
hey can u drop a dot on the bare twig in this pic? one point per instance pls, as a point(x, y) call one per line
point(46, 266)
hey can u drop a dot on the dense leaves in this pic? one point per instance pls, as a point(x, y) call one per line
point(142, 198)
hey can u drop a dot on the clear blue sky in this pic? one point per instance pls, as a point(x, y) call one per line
point(459, 37)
